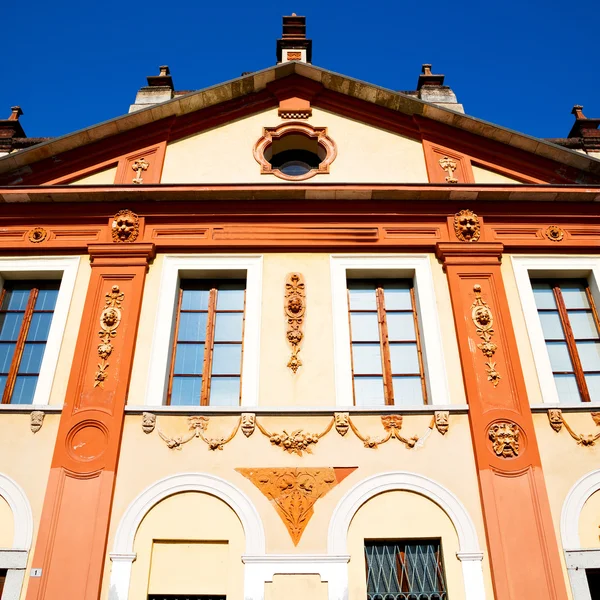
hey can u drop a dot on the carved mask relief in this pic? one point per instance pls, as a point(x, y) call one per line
point(125, 226)
point(505, 439)
point(467, 226)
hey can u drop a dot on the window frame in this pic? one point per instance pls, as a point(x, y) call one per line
point(65, 270)
point(526, 267)
point(178, 267)
point(408, 266)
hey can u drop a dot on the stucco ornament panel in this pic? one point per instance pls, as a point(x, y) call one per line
point(295, 307)
point(504, 436)
point(467, 226)
point(125, 227)
point(484, 323)
point(110, 319)
point(294, 492)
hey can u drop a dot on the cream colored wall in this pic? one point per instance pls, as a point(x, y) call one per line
point(392, 516)
point(105, 177)
point(482, 175)
point(189, 517)
point(25, 457)
point(446, 459)
point(589, 522)
point(296, 587)
point(365, 154)
point(7, 529)
point(67, 348)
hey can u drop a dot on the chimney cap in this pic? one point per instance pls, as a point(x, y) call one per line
point(294, 37)
point(427, 78)
point(583, 127)
point(16, 113)
point(163, 79)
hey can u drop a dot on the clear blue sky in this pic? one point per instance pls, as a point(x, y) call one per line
point(520, 64)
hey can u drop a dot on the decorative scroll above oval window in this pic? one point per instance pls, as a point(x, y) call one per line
point(295, 151)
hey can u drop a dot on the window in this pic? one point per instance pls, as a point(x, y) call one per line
point(405, 570)
point(570, 327)
point(387, 362)
point(593, 580)
point(206, 364)
point(3, 573)
point(26, 310)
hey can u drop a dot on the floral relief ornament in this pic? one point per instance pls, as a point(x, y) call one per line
point(37, 235)
point(554, 233)
point(295, 307)
point(125, 227)
point(557, 420)
point(110, 318)
point(484, 322)
point(467, 226)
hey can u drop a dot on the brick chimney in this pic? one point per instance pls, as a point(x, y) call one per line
point(10, 129)
point(586, 130)
point(293, 44)
point(431, 88)
point(159, 89)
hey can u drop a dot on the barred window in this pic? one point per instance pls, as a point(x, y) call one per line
point(405, 570)
point(207, 356)
point(387, 362)
point(26, 310)
point(570, 325)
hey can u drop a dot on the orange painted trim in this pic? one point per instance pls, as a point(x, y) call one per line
point(435, 152)
point(107, 164)
point(522, 544)
point(73, 530)
point(153, 155)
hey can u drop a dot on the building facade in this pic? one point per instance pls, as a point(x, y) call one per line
point(299, 335)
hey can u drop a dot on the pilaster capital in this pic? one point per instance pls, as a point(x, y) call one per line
point(121, 255)
point(465, 253)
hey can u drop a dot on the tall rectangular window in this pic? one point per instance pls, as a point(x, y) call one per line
point(207, 358)
point(26, 309)
point(387, 362)
point(405, 569)
point(570, 326)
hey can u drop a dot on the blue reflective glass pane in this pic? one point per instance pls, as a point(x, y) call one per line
point(186, 391)
point(593, 385)
point(397, 296)
point(589, 355)
point(224, 391)
point(6, 355)
point(194, 300)
point(39, 327)
point(367, 359)
point(192, 327)
point(407, 391)
point(551, 326)
point(574, 295)
point(10, 325)
point(559, 356)
point(230, 296)
point(404, 359)
point(16, 299)
point(368, 391)
point(583, 325)
point(228, 327)
point(3, 379)
point(401, 326)
point(24, 390)
point(189, 359)
point(227, 359)
point(566, 386)
point(46, 300)
point(362, 295)
point(544, 296)
point(365, 327)
point(31, 359)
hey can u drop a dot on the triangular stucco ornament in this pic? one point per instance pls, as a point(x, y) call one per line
point(294, 491)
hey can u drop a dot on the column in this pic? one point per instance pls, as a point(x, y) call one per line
point(521, 540)
point(71, 542)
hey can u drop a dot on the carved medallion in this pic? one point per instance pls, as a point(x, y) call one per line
point(148, 422)
point(293, 492)
point(125, 226)
point(467, 226)
point(449, 166)
point(442, 421)
point(484, 321)
point(36, 420)
point(37, 235)
point(110, 318)
point(295, 307)
point(505, 439)
point(554, 233)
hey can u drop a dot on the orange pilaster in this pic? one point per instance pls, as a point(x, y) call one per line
point(521, 540)
point(71, 542)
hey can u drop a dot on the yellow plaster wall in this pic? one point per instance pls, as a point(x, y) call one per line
point(67, 348)
point(25, 457)
point(296, 587)
point(105, 177)
point(482, 175)
point(189, 517)
point(446, 459)
point(7, 529)
point(224, 154)
point(393, 516)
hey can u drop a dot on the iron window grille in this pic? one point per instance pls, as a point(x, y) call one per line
point(405, 570)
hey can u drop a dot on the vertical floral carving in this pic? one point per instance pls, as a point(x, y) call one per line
point(139, 166)
point(295, 307)
point(467, 226)
point(484, 323)
point(449, 166)
point(110, 318)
